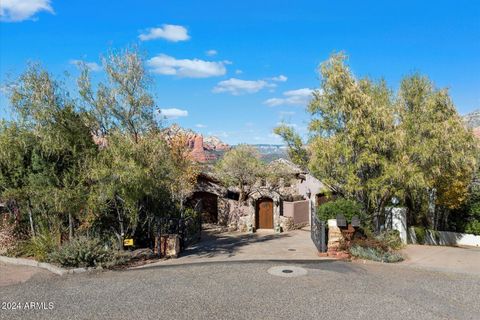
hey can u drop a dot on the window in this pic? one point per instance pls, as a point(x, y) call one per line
point(233, 195)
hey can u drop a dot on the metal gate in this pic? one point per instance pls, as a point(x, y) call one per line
point(318, 233)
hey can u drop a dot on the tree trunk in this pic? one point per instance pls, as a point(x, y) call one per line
point(30, 217)
point(70, 226)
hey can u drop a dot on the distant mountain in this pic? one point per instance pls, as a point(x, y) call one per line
point(472, 120)
point(271, 152)
point(204, 149)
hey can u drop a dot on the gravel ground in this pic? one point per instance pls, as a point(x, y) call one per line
point(245, 290)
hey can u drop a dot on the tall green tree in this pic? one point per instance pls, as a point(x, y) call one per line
point(439, 152)
point(124, 101)
point(370, 144)
point(54, 143)
point(354, 139)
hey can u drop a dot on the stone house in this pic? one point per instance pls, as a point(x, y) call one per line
point(288, 204)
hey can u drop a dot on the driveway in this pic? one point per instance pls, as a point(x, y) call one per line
point(440, 258)
point(262, 245)
point(12, 274)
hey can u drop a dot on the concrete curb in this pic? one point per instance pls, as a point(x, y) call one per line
point(43, 265)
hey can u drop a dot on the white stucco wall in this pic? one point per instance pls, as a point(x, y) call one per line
point(446, 238)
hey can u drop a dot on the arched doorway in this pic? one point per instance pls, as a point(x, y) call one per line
point(264, 214)
point(207, 204)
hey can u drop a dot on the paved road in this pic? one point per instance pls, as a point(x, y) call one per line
point(245, 290)
point(442, 258)
point(11, 274)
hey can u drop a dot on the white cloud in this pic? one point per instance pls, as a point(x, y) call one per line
point(199, 125)
point(190, 68)
point(238, 71)
point(299, 97)
point(211, 53)
point(19, 10)
point(280, 78)
point(173, 113)
point(92, 66)
point(237, 86)
point(168, 32)
point(293, 125)
point(286, 113)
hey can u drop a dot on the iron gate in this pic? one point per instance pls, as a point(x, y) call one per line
point(318, 233)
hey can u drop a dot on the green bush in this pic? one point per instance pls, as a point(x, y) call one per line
point(374, 254)
point(38, 247)
point(348, 208)
point(85, 252)
point(420, 234)
point(391, 238)
point(473, 227)
point(370, 243)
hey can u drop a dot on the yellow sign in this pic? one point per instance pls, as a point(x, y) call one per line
point(128, 242)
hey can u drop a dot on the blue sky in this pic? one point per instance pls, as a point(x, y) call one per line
point(235, 69)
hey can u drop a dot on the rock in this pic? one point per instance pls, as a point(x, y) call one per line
point(142, 254)
point(203, 149)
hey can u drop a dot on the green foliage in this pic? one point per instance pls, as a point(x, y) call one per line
point(296, 149)
point(101, 168)
point(240, 167)
point(374, 254)
point(391, 238)
point(372, 144)
point(420, 234)
point(38, 247)
point(84, 252)
point(348, 208)
point(473, 227)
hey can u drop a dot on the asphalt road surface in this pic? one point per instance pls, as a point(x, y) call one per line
point(246, 290)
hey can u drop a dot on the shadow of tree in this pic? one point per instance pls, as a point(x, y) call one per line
point(213, 244)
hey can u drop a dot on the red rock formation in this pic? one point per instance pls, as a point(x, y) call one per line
point(198, 151)
point(203, 150)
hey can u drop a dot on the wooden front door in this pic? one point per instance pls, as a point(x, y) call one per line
point(264, 216)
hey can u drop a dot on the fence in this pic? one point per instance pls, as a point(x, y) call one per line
point(318, 233)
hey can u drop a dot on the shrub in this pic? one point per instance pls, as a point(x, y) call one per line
point(473, 227)
point(38, 247)
point(85, 252)
point(391, 238)
point(375, 254)
point(420, 234)
point(370, 243)
point(348, 208)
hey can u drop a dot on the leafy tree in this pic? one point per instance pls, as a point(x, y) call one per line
point(439, 152)
point(53, 143)
point(371, 145)
point(124, 102)
point(353, 136)
point(296, 149)
point(240, 167)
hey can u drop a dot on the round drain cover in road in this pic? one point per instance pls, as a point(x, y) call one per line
point(287, 271)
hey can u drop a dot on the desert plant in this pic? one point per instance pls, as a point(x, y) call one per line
point(83, 252)
point(375, 254)
point(38, 247)
point(391, 238)
point(348, 208)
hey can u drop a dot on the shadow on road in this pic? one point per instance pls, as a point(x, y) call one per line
point(214, 244)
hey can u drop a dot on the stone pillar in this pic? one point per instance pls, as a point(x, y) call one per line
point(167, 246)
point(396, 219)
point(334, 236)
